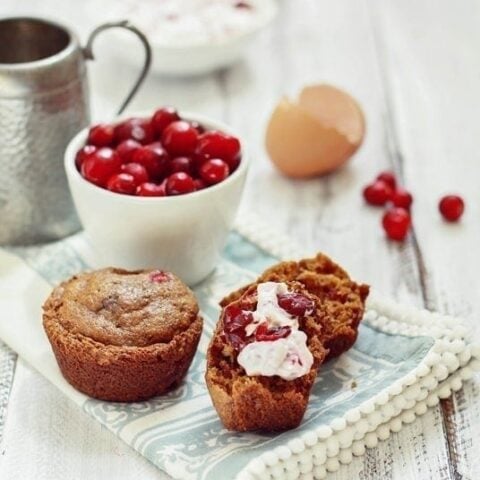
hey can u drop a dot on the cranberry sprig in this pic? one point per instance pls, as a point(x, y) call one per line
point(397, 221)
point(159, 156)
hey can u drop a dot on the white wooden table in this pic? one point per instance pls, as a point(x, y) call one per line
point(415, 68)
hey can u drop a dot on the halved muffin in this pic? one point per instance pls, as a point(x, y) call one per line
point(255, 382)
point(249, 385)
point(123, 336)
point(342, 298)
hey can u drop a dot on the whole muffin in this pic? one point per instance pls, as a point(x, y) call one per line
point(123, 336)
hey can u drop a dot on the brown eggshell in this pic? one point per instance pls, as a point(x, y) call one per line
point(316, 135)
point(336, 108)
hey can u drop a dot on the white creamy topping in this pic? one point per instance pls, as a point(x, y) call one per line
point(289, 357)
point(268, 309)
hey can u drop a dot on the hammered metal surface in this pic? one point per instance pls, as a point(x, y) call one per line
point(35, 203)
point(44, 102)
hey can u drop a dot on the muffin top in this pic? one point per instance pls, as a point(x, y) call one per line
point(120, 307)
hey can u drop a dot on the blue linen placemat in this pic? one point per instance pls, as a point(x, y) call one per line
point(180, 432)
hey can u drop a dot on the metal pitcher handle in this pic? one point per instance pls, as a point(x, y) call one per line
point(88, 53)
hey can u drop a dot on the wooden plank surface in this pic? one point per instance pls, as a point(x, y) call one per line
point(414, 67)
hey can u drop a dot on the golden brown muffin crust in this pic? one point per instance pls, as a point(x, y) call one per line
point(247, 403)
point(118, 307)
point(123, 336)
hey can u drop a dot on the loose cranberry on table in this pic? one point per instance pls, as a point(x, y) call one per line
point(180, 138)
point(101, 135)
point(451, 207)
point(101, 165)
point(149, 189)
point(180, 183)
point(122, 183)
point(388, 178)
point(215, 144)
point(396, 222)
point(138, 172)
point(214, 171)
point(162, 118)
point(83, 154)
point(127, 148)
point(378, 193)
point(402, 198)
point(138, 129)
point(154, 158)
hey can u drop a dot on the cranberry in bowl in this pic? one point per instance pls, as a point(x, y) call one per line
point(157, 189)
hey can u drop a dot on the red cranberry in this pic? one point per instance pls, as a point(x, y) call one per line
point(138, 129)
point(180, 138)
point(388, 178)
point(451, 207)
point(154, 158)
point(159, 276)
point(122, 183)
point(396, 223)
point(149, 189)
point(101, 135)
point(215, 144)
point(180, 183)
point(83, 154)
point(233, 163)
point(236, 319)
point(234, 322)
point(181, 164)
point(264, 334)
point(199, 159)
point(137, 171)
point(162, 118)
point(402, 198)
point(378, 193)
point(296, 304)
point(101, 165)
point(126, 149)
point(199, 184)
point(214, 171)
point(199, 128)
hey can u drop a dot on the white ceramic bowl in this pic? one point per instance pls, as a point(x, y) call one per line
point(183, 234)
point(201, 58)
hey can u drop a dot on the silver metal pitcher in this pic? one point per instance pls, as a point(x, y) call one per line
point(44, 102)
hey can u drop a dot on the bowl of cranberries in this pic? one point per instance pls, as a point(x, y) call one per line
point(157, 190)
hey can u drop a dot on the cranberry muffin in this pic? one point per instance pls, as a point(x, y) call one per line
point(342, 298)
point(123, 335)
point(263, 358)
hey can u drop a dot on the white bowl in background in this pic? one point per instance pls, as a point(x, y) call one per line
point(199, 58)
point(184, 234)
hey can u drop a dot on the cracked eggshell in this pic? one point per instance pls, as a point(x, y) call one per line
point(315, 135)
